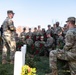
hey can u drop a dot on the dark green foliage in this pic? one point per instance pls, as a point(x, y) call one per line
point(6, 69)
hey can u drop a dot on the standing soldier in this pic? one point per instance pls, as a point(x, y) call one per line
point(34, 34)
point(8, 37)
point(44, 34)
point(69, 50)
point(29, 41)
point(29, 33)
point(57, 30)
point(39, 32)
point(23, 34)
point(60, 41)
point(49, 30)
point(42, 48)
point(65, 29)
point(49, 43)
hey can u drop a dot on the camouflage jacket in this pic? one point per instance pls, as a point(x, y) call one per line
point(70, 40)
point(8, 25)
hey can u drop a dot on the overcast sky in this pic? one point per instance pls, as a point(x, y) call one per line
point(38, 12)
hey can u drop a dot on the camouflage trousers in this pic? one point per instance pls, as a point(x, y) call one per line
point(63, 55)
point(9, 43)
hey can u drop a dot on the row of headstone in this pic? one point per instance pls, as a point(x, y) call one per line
point(19, 60)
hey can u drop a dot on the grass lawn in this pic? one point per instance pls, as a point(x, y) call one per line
point(41, 63)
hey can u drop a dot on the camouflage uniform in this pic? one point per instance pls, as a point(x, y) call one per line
point(60, 41)
point(34, 34)
point(29, 41)
point(37, 44)
point(8, 38)
point(29, 34)
point(68, 53)
point(57, 30)
point(49, 44)
point(65, 29)
point(39, 32)
point(50, 30)
point(23, 35)
point(42, 47)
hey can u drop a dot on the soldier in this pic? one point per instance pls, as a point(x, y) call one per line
point(35, 31)
point(23, 34)
point(50, 30)
point(8, 37)
point(34, 34)
point(39, 32)
point(65, 29)
point(37, 43)
point(29, 33)
point(17, 38)
point(69, 50)
point(54, 27)
point(57, 30)
point(29, 41)
point(49, 42)
point(44, 34)
point(42, 40)
point(60, 41)
point(42, 47)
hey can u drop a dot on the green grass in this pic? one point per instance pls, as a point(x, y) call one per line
point(41, 63)
point(6, 69)
point(42, 66)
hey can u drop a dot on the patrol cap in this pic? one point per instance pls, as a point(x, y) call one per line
point(65, 25)
point(24, 28)
point(57, 23)
point(49, 25)
point(71, 19)
point(29, 28)
point(35, 28)
point(38, 26)
point(10, 11)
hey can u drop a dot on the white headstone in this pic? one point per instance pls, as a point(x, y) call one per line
point(23, 50)
point(19, 60)
point(18, 63)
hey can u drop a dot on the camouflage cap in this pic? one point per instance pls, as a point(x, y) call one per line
point(24, 28)
point(71, 19)
point(49, 25)
point(10, 11)
point(38, 26)
point(29, 28)
point(57, 23)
